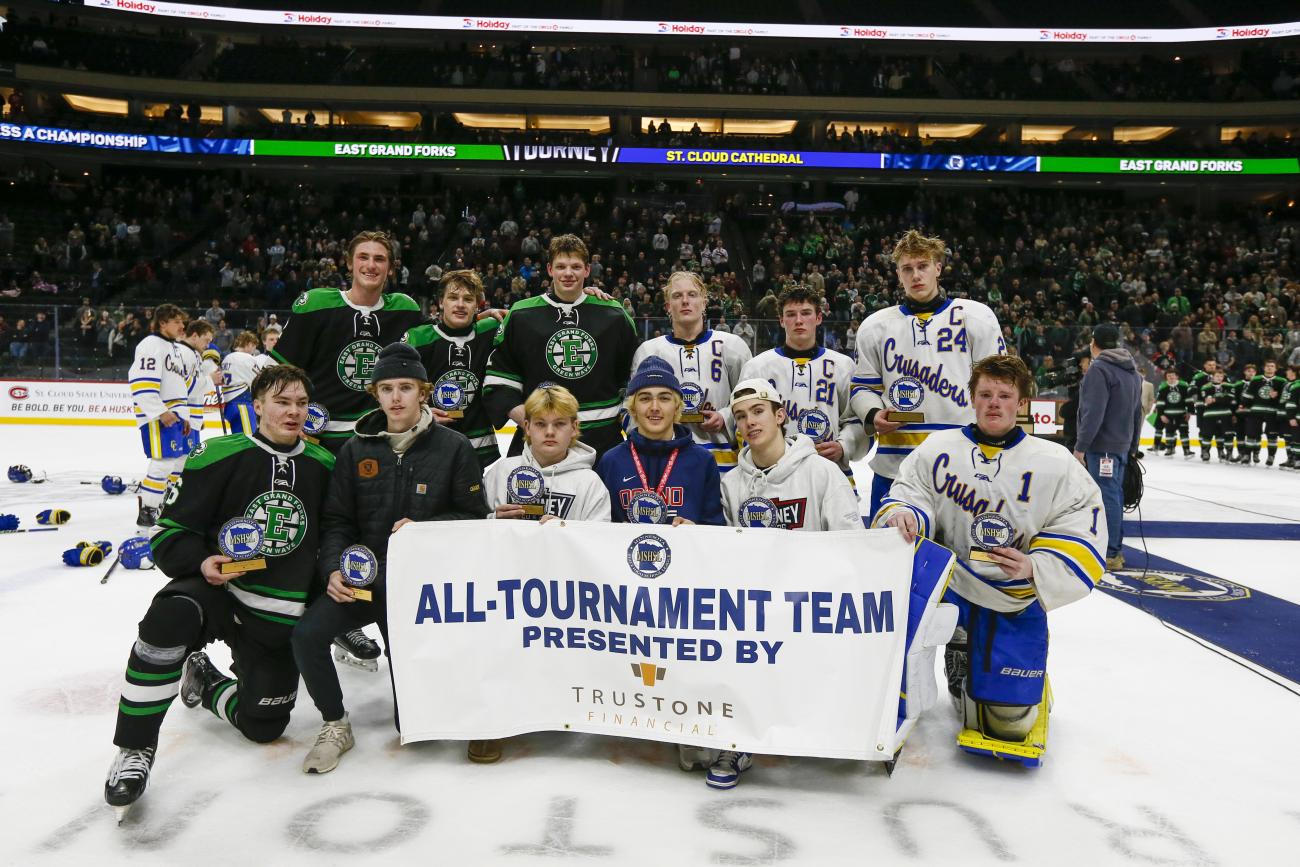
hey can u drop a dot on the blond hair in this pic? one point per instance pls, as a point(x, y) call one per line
point(915, 245)
point(689, 276)
point(552, 400)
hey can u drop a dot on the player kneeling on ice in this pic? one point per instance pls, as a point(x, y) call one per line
point(401, 466)
point(780, 482)
point(258, 498)
point(1027, 525)
point(552, 479)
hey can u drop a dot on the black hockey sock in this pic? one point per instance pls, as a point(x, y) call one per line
point(153, 670)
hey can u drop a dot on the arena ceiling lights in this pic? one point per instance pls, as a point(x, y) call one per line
point(497, 25)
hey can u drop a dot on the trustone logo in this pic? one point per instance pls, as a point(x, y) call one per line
point(648, 672)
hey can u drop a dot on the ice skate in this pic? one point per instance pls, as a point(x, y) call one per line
point(127, 778)
point(357, 649)
point(199, 676)
point(147, 516)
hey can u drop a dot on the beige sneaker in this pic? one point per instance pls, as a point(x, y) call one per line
point(484, 752)
point(1115, 564)
point(334, 740)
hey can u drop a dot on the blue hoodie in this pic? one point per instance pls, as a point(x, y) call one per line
point(1110, 405)
point(694, 490)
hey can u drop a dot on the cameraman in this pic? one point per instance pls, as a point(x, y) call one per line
point(1075, 369)
point(1110, 424)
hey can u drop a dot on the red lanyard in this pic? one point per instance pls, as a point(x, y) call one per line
point(668, 470)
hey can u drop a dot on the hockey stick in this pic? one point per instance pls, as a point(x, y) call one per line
point(116, 560)
point(31, 530)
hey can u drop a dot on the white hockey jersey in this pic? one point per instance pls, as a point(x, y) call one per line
point(801, 491)
point(238, 370)
point(1031, 495)
point(573, 490)
point(708, 369)
point(816, 388)
point(165, 376)
point(921, 362)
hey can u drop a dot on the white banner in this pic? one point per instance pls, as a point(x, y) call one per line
point(74, 401)
point(497, 24)
point(753, 639)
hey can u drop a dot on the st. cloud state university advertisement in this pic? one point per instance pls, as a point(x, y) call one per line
point(754, 639)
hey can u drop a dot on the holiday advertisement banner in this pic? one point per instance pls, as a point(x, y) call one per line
point(757, 639)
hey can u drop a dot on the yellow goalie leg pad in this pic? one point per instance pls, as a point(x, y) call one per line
point(1028, 752)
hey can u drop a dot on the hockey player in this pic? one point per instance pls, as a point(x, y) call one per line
point(707, 363)
point(162, 378)
point(565, 467)
point(1290, 415)
point(555, 465)
point(401, 466)
point(270, 337)
point(198, 337)
point(454, 350)
point(278, 481)
point(779, 482)
point(816, 382)
point(238, 370)
point(1216, 401)
point(660, 475)
point(1172, 401)
point(917, 357)
point(565, 336)
point(1199, 380)
point(1027, 524)
point(335, 335)
point(1259, 404)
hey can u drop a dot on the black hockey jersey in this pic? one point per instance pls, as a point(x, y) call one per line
point(1173, 401)
point(1218, 399)
point(456, 364)
point(241, 476)
point(1262, 395)
point(586, 346)
point(337, 343)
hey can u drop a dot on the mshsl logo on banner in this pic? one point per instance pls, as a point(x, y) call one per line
point(719, 637)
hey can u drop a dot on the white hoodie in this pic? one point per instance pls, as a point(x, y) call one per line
point(801, 491)
point(573, 490)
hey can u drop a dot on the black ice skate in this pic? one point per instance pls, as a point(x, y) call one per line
point(147, 516)
point(127, 779)
point(357, 649)
point(199, 677)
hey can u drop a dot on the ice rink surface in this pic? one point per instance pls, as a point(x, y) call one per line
point(1161, 751)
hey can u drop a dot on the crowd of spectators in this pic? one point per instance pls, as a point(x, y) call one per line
point(1051, 265)
point(1222, 73)
point(1181, 287)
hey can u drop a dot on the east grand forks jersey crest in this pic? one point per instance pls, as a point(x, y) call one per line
point(571, 353)
point(356, 363)
point(283, 520)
